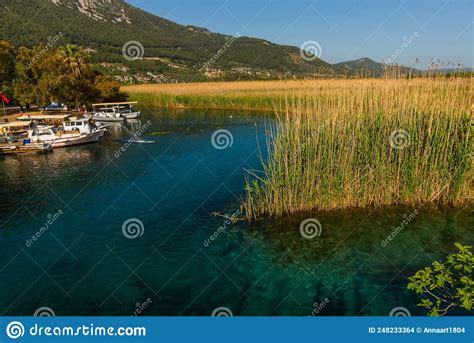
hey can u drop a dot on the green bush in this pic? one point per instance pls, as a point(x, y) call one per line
point(447, 285)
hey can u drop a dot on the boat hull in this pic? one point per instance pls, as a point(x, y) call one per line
point(108, 119)
point(132, 115)
point(78, 140)
point(12, 149)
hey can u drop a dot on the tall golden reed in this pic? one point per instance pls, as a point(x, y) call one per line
point(367, 142)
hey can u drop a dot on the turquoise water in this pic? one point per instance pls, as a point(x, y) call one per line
point(82, 263)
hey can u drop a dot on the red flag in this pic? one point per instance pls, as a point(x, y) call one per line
point(4, 98)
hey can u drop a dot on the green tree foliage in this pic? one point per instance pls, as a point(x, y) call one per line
point(73, 59)
point(42, 75)
point(109, 89)
point(447, 285)
point(7, 67)
point(7, 63)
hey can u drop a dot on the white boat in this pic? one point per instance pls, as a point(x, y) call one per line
point(73, 132)
point(112, 109)
point(8, 147)
point(84, 125)
point(107, 115)
point(60, 139)
point(55, 106)
point(14, 139)
point(130, 115)
point(126, 110)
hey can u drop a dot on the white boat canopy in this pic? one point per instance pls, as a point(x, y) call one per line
point(15, 124)
point(44, 117)
point(116, 103)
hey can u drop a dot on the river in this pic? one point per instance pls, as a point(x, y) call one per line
point(120, 228)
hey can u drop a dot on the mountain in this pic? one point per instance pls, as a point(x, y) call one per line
point(367, 66)
point(361, 64)
point(114, 32)
point(171, 52)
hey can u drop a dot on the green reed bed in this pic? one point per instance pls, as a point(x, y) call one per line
point(213, 102)
point(367, 143)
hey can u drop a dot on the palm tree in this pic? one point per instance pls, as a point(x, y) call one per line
point(73, 57)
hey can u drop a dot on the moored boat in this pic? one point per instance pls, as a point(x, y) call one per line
point(14, 139)
point(55, 106)
point(41, 133)
point(7, 147)
point(110, 111)
point(60, 138)
point(126, 110)
point(84, 125)
point(68, 131)
point(107, 115)
point(131, 115)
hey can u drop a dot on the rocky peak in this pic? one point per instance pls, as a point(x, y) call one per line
point(112, 11)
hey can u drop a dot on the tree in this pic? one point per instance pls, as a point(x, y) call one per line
point(447, 285)
point(109, 89)
point(7, 67)
point(25, 84)
point(74, 59)
point(62, 75)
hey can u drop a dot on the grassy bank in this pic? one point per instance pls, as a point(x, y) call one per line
point(214, 102)
point(368, 143)
point(242, 95)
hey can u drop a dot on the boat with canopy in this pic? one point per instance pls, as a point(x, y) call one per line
point(114, 111)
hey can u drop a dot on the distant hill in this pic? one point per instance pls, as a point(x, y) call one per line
point(361, 64)
point(171, 52)
point(367, 66)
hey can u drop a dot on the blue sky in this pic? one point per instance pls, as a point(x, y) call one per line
point(435, 29)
